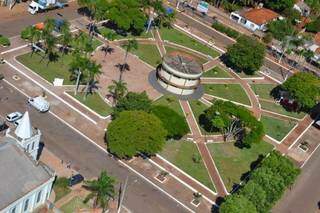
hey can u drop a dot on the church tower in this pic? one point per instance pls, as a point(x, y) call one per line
point(27, 137)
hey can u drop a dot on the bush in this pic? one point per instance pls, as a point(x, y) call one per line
point(237, 204)
point(134, 132)
point(225, 30)
point(174, 123)
point(26, 33)
point(280, 29)
point(4, 41)
point(314, 26)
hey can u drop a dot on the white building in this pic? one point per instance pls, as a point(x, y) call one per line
point(25, 184)
point(255, 18)
point(179, 74)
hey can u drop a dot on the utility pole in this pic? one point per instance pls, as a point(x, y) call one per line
point(77, 83)
point(122, 193)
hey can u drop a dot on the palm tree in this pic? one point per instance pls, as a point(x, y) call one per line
point(49, 43)
point(66, 35)
point(83, 44)
point(49, 25)
point(118, 89)
point(93, 69)
point(122, 68)
point(77, 66)
point(131, 44)
point(101, 189)
point(35, 36)
point(107, 50)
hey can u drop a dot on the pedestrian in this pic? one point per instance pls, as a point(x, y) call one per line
point(61, 161)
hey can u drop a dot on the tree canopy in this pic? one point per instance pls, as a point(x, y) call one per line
point(304, 88)
point(133, 101)
point(237, 204)
point(134, 132)
point(246, 55)
point(280, 29)
point(279, 5)
point(174, 123)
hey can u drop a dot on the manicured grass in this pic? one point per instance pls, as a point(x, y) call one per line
point(104, 32)
point(263, 90)
point(180, 153)
point(273, 107)
point(233, 162)
point(178, 37)
point(197, 58)
point(277, 128)
point(243, 75)
point(51, 70)
point(216, 72)
point(74, 205)
point(94, 102)
point(232, 92)
point(198, 109)
point(61, 188)
point(95, 43)
point(148, 53)
point(170, 101)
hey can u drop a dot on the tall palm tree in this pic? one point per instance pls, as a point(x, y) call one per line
point(83, 44)
point(49, 43)
point(102, 190)
point(77, 67)
point(117, 89)
point(122, 68)
point(93, 69)
point(35, 36)
point(49, 25)
point(66, 36)
point(131, 44)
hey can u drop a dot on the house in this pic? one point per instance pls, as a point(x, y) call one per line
point(255, 18)
point(25, 183)
point(315, 48)
point(303, 8)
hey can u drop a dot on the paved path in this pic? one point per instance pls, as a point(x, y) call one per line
point(159, 42)
point(204, 152)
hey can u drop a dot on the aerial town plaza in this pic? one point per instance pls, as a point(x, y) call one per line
point(159, 106)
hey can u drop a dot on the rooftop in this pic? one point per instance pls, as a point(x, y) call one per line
point(19, 173)
point(182, 62)
point(260, 15)
point(317, 39)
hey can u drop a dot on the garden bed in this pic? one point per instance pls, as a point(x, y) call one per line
point(263, 90)
point(60, 188)
point(148, 53)
point(94, 102)
point(74, 205)
point(216, 72)
point(233, 162)
point(178, 37)
point(231, 92)
point(181, 153)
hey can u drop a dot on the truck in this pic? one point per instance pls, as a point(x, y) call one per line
point(44, 5)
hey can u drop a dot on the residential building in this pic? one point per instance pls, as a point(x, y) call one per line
point(254, 18)
point(25, 183)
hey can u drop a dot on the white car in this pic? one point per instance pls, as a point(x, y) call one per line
point(12, 117)
point(39, 103)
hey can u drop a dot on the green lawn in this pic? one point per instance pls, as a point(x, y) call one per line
point(232, 92)
point(216, 72)
point(178, 37)
point(95, 43)
point(232, 162)
point(263, 90)
point(60, 188)
point(49, 71)
point(198, 109)
point(180, 153)
point(171, 102)
point(148, 53)
point(277, 128)
point(273, 107)
point(197, 58)
point(94, 102)
point(243, 75)
point(74, 205)
point(104, 32)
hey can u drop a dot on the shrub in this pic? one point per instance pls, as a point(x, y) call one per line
point(196, 158)
point(237, 204)
point(26, 33)
point(174, 123)
point(134, 132)
point(225, 30)
point(314, 26)
point(4, 41)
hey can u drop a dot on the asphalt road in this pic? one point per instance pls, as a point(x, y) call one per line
point(13, 24)
point(89, 160)
point(304, 195)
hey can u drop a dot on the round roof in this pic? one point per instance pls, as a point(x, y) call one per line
point(182, 62)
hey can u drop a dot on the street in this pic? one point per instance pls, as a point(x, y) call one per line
point(85, 157)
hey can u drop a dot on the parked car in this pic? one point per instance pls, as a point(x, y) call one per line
point(75, 179)
point(39, 103)
point(12, 117)
point(317, 123)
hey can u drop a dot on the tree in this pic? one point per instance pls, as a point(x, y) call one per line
point(255, 193)
point(246, 55)
point(118, 89)
point(122, 69)
point(314, 5)
point(174, 123)
point(133, 101)
point(279, 5)
point(93, 69)
point(102, 190)
point(237, 204)
point(304, 88)
point(83, 44)
point(314, 26)
point(135, 132)
point(280, 29)
point(66, 35)
point(130, 45)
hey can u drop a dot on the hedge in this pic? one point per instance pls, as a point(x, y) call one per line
point(4, 41)
point(26, 32)
point(225, 30)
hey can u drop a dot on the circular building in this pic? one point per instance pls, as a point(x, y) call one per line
point(179, 73)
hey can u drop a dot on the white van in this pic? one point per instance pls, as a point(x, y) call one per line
point(39, 103)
